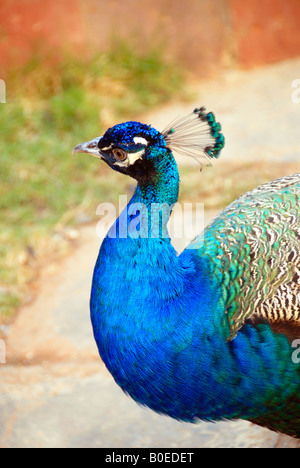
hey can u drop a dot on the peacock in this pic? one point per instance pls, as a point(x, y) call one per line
point(211, 333)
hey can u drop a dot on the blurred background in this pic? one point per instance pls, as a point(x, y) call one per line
point(71, 69)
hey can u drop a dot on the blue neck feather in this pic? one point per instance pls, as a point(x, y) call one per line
point(160, 325)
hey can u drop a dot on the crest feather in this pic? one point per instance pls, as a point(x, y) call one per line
point(197, 135)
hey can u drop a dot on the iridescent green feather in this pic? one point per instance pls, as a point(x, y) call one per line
point(254, 250)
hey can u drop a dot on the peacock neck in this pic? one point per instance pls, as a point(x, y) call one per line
point(137, 250)
point(160, 184)
point(149, 210)
point(138, 270)
point(154, 311)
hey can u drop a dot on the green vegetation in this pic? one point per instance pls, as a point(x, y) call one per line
point(43, 188)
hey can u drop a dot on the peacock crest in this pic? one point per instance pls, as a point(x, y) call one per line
point(197, 135)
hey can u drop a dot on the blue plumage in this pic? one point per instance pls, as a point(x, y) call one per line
point(196, 335)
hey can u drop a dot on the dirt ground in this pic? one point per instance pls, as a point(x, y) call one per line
point(54, 390)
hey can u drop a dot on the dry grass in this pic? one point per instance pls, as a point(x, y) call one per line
point(219, 185)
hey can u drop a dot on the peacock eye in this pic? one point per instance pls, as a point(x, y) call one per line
point(119, 154)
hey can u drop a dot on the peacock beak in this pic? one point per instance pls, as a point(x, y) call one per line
point(90, 147)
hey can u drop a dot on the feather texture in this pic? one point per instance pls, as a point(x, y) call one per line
point(207, 334)
point(254, 248)
point(197, 135)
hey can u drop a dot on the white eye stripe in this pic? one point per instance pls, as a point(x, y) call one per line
point(135, 156)
point(131, 159)
point(137, 140)
point(140, 140)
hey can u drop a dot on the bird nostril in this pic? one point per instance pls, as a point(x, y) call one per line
point(92, 145)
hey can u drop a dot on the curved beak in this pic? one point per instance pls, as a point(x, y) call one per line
point(90, 147)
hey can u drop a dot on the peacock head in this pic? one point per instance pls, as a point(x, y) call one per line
point(125, 147)
point(135, 148)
